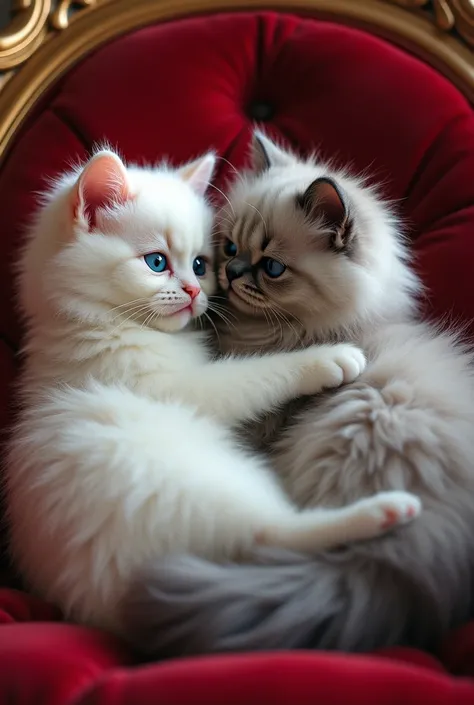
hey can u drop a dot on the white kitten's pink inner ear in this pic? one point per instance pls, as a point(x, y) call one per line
point(198, 174)
point(102, 184)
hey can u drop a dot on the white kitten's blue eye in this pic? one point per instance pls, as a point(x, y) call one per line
point(156, 261)
point(272, 267)
point(199, 267)
point(230, 249)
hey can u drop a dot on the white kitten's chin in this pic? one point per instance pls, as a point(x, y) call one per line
point(176, 321)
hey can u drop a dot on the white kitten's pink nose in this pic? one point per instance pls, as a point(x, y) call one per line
point(193, 291)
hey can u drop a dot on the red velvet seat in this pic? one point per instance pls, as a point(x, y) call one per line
point(176, 90)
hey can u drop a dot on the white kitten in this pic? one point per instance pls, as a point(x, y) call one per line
point(123, 452)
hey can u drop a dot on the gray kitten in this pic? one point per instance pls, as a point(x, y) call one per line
point(309, 255)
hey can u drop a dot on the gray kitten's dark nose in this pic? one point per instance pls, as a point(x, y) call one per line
point(237, 267)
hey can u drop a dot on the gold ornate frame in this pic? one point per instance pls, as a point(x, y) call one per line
point(45, 38)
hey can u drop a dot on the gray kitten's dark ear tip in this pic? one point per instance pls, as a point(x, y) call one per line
point(266, 153)
point(260, 158)
point(258, 135)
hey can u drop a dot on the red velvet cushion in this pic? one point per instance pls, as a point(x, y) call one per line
point(179, 89)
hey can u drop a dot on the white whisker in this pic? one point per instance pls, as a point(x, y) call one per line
point(149, 318)
point(231, 166)
point(279, 311)
point(132, 315)
point(142, 299)
point(222, 316)
point(132, 309)
point(213, 325)
point(224, 196)
point(220, 307)
point(261, 216)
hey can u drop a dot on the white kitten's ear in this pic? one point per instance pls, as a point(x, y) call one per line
point(325, 200)
point(198, 174)
point(103, 183)
point(266, 153)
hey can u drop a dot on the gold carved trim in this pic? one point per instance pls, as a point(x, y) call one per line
point(26, 31)
point(47, 42)
point(60, 17)
point(30, 25)
point(448, 15)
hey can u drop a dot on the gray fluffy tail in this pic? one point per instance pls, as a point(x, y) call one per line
point(348, 601)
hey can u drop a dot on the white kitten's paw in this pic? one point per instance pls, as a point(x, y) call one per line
point(397, 508)
point(385, 511)
point(329, 366)
point(350, 360)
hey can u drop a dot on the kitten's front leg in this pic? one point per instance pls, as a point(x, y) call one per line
point(239, 389)
point(325, 529)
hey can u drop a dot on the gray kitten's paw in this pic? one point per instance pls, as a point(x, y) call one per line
point(329, 366)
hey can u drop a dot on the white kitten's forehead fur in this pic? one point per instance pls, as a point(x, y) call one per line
point(165, 213)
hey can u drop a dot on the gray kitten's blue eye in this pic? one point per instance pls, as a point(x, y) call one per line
point(272, 267)
point(199, 267)
point(156, 261)
point(230, 249)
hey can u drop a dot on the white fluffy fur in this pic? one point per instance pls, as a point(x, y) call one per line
point(123, 450)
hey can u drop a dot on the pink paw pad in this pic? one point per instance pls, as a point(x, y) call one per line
point(392, 517)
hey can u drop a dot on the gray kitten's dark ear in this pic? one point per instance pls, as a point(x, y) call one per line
point(325, 200)
point(266, 153)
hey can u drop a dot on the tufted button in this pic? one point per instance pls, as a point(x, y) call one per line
point(260, 111)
